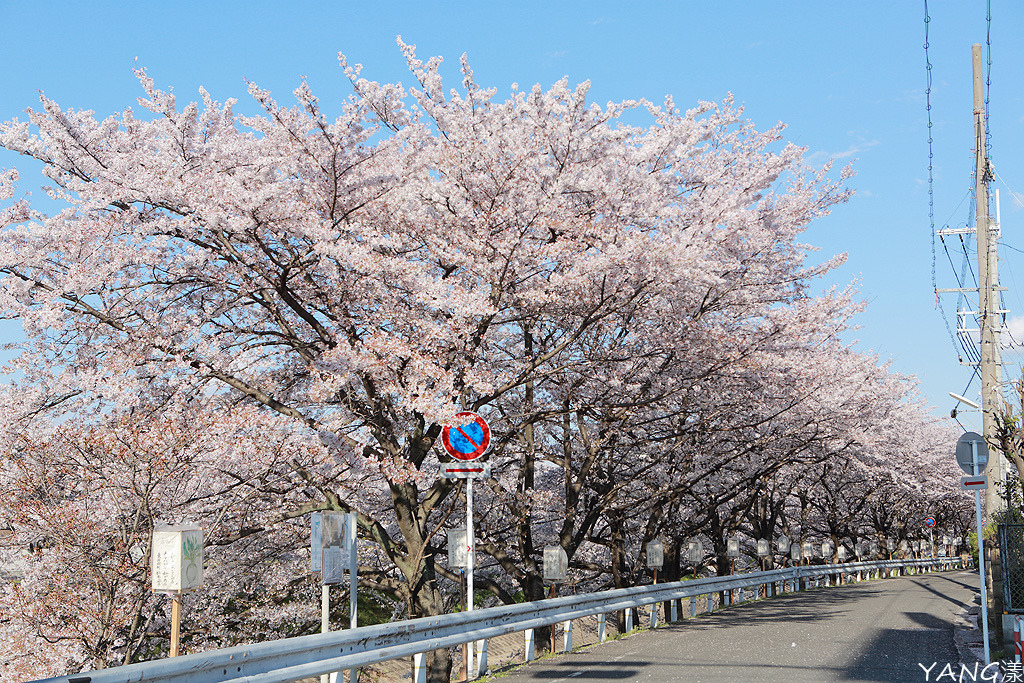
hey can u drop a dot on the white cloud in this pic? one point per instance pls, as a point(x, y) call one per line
point(1013, 337)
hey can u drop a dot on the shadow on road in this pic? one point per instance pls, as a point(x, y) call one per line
point(956, 578)
point(894, 654)
point(942, 595)
point(808, 606)
point(611, 671)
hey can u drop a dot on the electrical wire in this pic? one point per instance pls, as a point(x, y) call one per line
point(963, 344)
point(931, 184)
point(988, 72)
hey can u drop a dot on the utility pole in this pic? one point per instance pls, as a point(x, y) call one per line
point(988, 301)
point(990, 322)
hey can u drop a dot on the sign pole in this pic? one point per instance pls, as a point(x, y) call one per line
point(464, 672)
point(325, 618)
point(470, 542)
point(465, 442)
point(353, 570)
point(554, 594)
point(175, 622)
point(981, 556)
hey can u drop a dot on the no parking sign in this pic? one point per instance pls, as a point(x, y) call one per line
point(468, 438)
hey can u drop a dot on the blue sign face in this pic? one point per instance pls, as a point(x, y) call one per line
point(467, 441)
point(929, 521)
point(466, 438)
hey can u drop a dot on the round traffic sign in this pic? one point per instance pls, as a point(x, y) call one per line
point(468, 439)
point(965, 447)
point(929, 521)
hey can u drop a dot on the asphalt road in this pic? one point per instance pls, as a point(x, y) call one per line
point(871, 631)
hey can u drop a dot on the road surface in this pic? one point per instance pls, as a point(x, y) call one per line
point(872, 631)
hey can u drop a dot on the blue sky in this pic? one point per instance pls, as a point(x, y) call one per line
point(848, 78)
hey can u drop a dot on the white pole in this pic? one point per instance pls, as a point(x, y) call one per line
point(469, 566)
point(353, 569)
point(981, 557)
point(325, 617)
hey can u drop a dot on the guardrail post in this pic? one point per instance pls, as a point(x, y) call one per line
point(740, 601)
point(481, 657)
point(654, 615)
point(629, 619)
point(693, 606)
point(531, 643)
point(602, 627)
point(419, 668)
point(675, 610)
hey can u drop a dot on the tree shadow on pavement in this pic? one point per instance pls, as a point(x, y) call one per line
point(611, 671)
point(941, 594)
point(807, 606)
point(897, 655)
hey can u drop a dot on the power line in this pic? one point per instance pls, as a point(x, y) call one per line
point(988, 72)
point(931, 183)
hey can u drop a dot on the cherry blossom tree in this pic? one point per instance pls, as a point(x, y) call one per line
point(84, 500)
point(585, 281)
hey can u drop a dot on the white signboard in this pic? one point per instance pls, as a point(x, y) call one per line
point(841, 553)
point(695, 551)
point(974, 483)
point(177, 558)
point(556, 564)
point(335, 562)
point(655, 555)
point(783, 543)
point(763, 547)
point(826, 549)
point(808, 550)
point(333, 527)
point(858, 548)
point(458, 549)
point(465, 470)
point(794, 552)
point(732, 547)
point(329, 552)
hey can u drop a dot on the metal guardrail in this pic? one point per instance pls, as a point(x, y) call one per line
point(290, 659)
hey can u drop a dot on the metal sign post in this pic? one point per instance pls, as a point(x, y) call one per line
point(465, 442)
point(457, 560)
point(332, 551)
point(556, 569)
point(976, 466)
point(470, 542)
point(655, 560)
point(353, 569)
